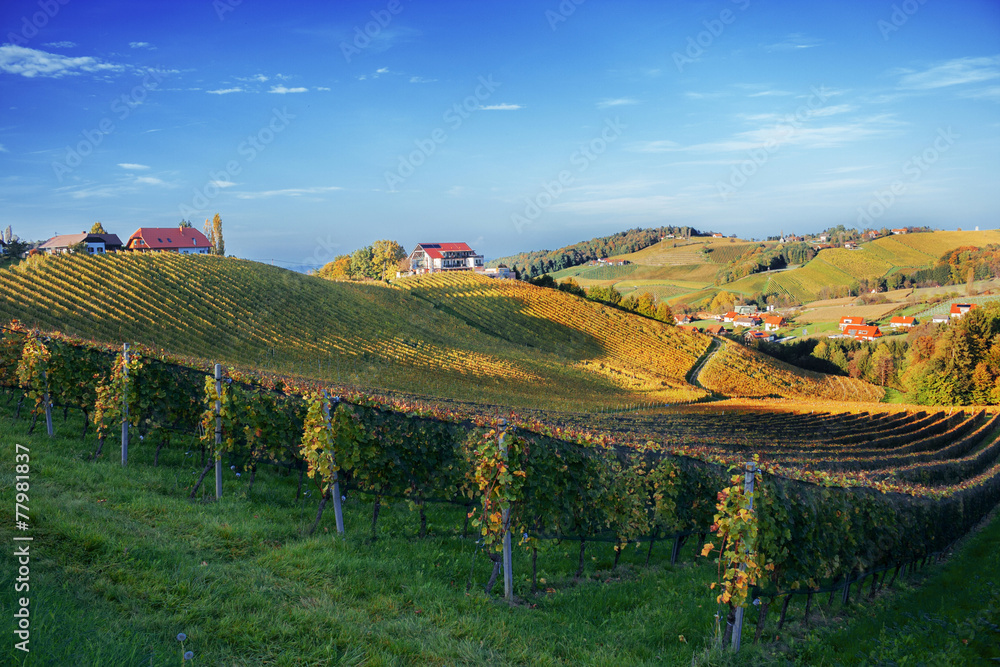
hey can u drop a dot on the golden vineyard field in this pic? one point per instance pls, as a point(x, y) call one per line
point(457, 336)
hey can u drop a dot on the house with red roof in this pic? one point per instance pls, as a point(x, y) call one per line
point(746, 321)
point(716, 329)
point(184, 240)
point(436, 257)
point(902, 322)
point(863, 332)
point(851, 321)
point(759, 335)
point(959, 309)
point(730, 316)
point(774, 322)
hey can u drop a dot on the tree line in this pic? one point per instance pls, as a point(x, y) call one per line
point(535, 263)
point(377, 261)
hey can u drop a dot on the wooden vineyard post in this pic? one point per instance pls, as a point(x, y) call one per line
point(508, 573)
point(218, 431)
point(48, 404)
point(338, 511)
point(738, 624)
point(125, 405)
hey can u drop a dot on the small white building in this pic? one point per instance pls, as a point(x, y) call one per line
point(502, 271)
point(96, 244)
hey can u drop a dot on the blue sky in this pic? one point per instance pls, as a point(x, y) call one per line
point(314, 127)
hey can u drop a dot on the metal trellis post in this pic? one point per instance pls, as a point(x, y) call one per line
point(508, 573)
point(738, 624)
point(218, 431)
point(125, 405)
point(338, 511)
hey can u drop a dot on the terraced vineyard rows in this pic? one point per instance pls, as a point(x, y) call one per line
point(736, 371)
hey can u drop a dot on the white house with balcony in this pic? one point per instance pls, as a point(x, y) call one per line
point(437, 257)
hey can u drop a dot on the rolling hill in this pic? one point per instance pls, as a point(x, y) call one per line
point(686, 270)
point(451, 336)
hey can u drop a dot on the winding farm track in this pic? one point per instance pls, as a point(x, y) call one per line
point(696, 370)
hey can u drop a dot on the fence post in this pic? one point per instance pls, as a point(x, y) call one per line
point(508, 572)
point(218, 431)
point(338, 511)
point(738, 625)
point(125, 405)
point(48, 405)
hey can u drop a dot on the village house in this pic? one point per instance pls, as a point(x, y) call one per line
point(760, 335)
point(682, 319)
point(716, 329)
point(863, 332)
point(851, 321)
point(959, 309)
point(95, 244)
point(437, 257)
point(905, 230)
point(902, 322)
point(774, 322)
point(730, 316)
point(501, 271)
point(183, 240)
point(941, 319)
point(746, 321)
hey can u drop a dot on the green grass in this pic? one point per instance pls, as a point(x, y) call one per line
point(946, 615)
point(122, 562)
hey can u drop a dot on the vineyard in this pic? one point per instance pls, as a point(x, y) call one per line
point(736, 371)
point(539, 350)
point(840, 497)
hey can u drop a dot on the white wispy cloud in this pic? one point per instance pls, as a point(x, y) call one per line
point(990, 93)
point(282, 90)
point(771, 93)
point(951, 73)
point(501, 107)
point(259, 78)
point(132, 166)
point(141, 45)
point(32, 63)
point(322, 88)
point(61, 45)
point(3, 149)
point(794, 42)
point(149, 180)
point(287, 192)
point(420, 79)
point(223, 184)
point(225, 91)
point(616, 102)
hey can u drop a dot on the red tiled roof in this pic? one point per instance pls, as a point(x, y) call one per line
point(959, 308)
point(777, 320)
point(903, 320)
point(863, 331)
point(852, 320)
point(437, 250)
point(167, 238)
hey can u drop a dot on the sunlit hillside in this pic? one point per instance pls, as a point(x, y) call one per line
point(457, 336)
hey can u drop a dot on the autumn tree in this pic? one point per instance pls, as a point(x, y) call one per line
point(338, 269)
point(98, 228)
point(386, 255)
point(362, 265)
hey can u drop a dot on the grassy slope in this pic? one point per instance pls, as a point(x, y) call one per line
point(123, 562)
